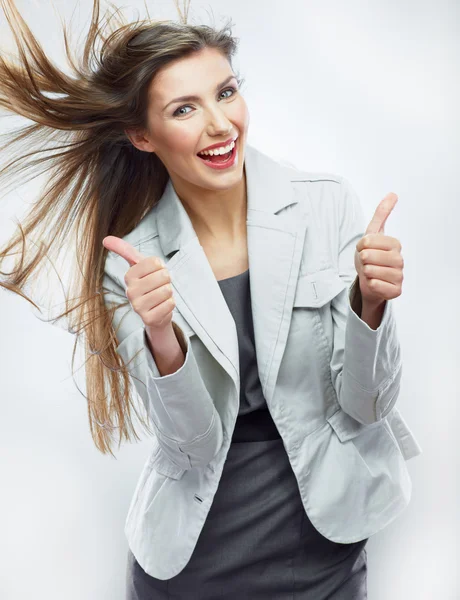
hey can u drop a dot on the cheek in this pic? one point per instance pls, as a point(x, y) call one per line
point(182, 139)
point(240, 114)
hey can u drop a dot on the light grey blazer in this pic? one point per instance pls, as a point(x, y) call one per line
point(330, 381)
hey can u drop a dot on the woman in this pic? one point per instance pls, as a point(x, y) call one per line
point(246, 303)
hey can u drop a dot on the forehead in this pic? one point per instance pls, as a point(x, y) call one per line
point(190, 75)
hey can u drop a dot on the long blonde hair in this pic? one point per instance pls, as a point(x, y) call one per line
point(99, 184)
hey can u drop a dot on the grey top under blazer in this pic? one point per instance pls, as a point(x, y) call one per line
point(254, 422)
point(330, 381)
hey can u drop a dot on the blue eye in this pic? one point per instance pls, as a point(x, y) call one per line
point(177, 114)
point(230, 89)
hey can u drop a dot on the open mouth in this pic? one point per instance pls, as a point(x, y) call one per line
point(220, 159)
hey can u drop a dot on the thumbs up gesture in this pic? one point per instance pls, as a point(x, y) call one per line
point(378, 259)
point(149, 288)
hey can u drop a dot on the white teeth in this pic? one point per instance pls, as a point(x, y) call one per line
point(221, 150)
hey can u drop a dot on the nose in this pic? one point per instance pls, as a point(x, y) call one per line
point(218, 123)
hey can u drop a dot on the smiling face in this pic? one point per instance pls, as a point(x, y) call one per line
point(179, 129)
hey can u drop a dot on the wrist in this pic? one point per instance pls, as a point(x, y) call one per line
point(167, 349)
point(372, 313)
point(167, 338)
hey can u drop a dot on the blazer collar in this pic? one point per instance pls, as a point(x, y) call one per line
point(266, 189)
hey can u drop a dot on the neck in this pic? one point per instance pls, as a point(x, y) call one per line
point(217, 216)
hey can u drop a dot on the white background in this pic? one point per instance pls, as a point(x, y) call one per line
point(367, 90)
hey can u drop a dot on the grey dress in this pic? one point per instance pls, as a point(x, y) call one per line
point(257, 542)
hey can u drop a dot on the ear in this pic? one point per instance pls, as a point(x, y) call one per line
point(139, 140)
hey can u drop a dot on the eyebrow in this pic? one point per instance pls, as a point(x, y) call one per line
point(194, 98)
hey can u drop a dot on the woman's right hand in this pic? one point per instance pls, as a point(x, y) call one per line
point(149, 288)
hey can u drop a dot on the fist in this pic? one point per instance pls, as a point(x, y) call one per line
point(378, 259)
point(149, 288)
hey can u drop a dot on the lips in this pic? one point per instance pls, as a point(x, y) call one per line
point(220, 164)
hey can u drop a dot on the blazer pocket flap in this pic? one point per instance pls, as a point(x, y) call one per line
point(160, 461)
point(346, 427)
point(318, 289)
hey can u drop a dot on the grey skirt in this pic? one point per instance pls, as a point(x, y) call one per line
point(257, 542)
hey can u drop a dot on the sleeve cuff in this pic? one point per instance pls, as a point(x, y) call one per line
point(184, 406)
point(366, 332)
point(372, 356)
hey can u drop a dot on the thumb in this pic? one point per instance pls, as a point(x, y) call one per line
point(382, 212)
point(123, 249)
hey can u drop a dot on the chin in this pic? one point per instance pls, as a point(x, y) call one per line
point(226, 181)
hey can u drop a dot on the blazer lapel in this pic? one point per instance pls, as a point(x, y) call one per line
point(275, 243)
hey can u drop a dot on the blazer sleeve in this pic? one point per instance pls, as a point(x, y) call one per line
point(366, 364)
point(182, 412)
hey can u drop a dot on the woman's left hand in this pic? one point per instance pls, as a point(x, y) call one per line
point(378, 259)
